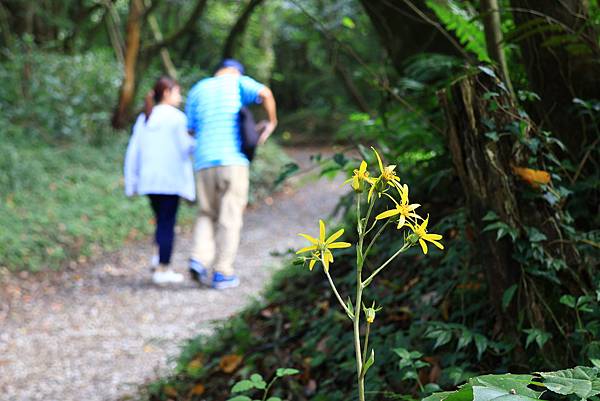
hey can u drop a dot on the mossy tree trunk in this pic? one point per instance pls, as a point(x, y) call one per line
point(483, 167)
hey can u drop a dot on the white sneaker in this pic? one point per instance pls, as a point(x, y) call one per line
point(166, 277)
point(155, 260)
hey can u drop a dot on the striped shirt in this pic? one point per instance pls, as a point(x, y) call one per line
point(212, 109)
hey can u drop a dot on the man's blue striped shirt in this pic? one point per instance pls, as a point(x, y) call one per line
point(212, 109)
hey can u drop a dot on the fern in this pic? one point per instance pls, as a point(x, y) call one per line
point(462, 22)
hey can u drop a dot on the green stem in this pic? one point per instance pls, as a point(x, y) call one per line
point(387, 262)
point(357, 306)
point(273, 380)
point(357, 347)
point(366, 346)
point(337, 294)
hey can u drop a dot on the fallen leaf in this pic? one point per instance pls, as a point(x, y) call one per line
point(229, 363)
point(198, 389)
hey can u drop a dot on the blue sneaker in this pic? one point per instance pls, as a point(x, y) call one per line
point(221, 282)
point(198, 272)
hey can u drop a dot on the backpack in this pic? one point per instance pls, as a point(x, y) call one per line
point(248, 134)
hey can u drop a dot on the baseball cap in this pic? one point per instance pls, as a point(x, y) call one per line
point(232, 63)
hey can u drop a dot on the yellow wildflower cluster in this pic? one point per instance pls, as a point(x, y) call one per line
point(403, 213)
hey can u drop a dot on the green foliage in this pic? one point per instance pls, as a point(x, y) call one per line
point(460, 18)
point(59, 98)
point(582, 382)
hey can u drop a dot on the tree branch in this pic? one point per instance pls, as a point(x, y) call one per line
point(238, 28)
point(189, 24)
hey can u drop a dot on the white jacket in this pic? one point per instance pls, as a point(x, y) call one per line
point(158, 158)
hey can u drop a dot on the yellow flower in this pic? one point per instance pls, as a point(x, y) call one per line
point(360, 175)
point(404, 209)
point(321, 247)
point(387, 177)
point(420, 231)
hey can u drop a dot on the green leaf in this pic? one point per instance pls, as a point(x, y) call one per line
point(369, 363)
point(481, 343)
point(443, 338)
point(581, 381)
point(465, 393)
point(508, 296)
point(258, 381)
point(464, 340)
point(273, 399)
point(240, 398)
point(243, 385)
point(537, 335)
point(492, 135)
point(507, 384)
point(281, 372)
point(568, 300)
point(348, 23)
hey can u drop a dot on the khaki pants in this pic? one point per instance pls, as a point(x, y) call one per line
point(222, 198)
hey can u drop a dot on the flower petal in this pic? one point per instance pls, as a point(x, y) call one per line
point(311, 264)
point(378, 159)
point(363, 167)
point(413, 206)
point(307, 249)
point(312, 240)
point(439, 245)
point(423, 246)
point(339, 245)
point(401, 221)
point(386, 214)
point(334, 236)
point(432, 237)
point(321, 230)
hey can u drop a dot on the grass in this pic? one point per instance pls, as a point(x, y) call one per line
point(66, 203)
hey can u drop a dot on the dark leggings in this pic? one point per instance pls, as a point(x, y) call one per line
point(165, 213)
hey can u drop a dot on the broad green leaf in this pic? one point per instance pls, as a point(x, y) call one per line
point(581, 381)
point(243, 385)
point(508, 384)
point(489, 394)
point(281, 372)
point(465, 393)
point(273, 399)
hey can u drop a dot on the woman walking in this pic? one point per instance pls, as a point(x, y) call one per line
point(158, 164)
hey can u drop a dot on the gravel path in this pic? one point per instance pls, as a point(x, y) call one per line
point(97, 332)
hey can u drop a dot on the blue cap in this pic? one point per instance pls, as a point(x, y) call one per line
point(232, 63)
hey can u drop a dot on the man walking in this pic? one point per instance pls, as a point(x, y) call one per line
point(222, 177)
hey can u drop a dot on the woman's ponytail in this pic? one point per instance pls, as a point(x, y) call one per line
point(148, 104)
point(156, 95)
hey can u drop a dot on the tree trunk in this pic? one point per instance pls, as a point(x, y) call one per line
point(238, 29)
point(127, 92)
point(484, 170)
point(485, 167)
point(493, 38)
point(560, 53)
point(406, 28)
